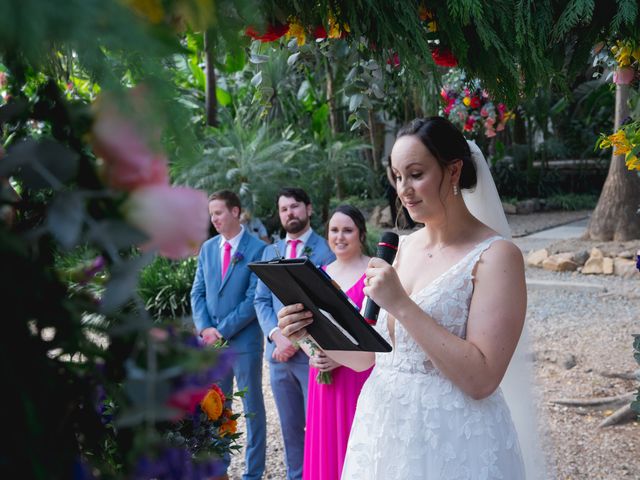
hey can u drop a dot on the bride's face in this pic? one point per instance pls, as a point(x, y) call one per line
point(422, 184)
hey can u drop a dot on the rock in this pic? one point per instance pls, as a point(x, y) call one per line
point(561, 262)
point(509, 208)
point(607, 266)
point(580, 257)
point(381, 216)
point(569, 361)
point(624, 268)
point(536, 257)
point(595, 263)
point(528, 206)
point(626, 254)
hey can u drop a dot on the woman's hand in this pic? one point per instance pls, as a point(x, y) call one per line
point(292, 321)
point(321, 362)
point(382, 285)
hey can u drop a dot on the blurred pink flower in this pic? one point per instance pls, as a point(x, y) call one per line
point(187, 399)
point(129, 161)
point(3, 79)
point(175, 219)
point(489, 132)
point(484, 112)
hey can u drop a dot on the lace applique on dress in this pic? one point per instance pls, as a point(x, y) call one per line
point(412, 422)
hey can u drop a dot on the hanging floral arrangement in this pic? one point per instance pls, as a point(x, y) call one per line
point(470, 107)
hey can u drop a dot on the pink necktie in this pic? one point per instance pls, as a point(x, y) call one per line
point(294, 248)
point(226, 259)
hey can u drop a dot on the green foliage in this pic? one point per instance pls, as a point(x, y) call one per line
point(571, 201)
point(165, 287)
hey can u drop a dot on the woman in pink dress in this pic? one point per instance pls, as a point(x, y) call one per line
point(331, 407)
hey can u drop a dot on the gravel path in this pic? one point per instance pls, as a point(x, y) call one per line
point(574, 319)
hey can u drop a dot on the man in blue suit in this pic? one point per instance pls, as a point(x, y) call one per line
point(222, 303)
point(289, 366)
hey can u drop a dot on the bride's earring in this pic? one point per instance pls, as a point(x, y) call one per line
point(456, 190)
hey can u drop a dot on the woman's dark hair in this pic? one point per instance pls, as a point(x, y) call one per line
point(358, 219)
point(446, 144)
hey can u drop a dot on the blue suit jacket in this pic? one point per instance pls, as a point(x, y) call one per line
point(267, 304)
point(227, 304)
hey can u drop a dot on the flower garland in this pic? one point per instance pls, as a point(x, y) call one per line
point(471, 108)
point(627, 56)
point(626, 141)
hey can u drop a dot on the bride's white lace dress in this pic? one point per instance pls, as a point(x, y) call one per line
point(411, 422)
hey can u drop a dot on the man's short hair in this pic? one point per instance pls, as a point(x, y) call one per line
point(230, 199)
point(293, 192)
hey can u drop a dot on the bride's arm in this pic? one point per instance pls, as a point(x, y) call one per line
point(293, 320)
point(496, 317)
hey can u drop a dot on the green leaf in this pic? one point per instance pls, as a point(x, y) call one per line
point(223, 97)
point(235, 61)
point(123, 282)
point(65, 218)
point(355, 101)
point(41, 164)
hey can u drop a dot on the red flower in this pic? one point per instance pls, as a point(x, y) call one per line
point(320, 33)
point(475, 102)
point(468, 125)
point(273, 32)
point(442, 56)
point(187, 399)
point(394, 61)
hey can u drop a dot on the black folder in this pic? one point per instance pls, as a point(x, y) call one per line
point(299, 281)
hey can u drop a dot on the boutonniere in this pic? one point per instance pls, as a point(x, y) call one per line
point(237, 257)
point(307, 251)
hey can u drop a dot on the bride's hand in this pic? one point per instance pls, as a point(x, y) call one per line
point(292, 321)
point(382, 284)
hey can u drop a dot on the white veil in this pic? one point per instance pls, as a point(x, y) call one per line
point(517, 385)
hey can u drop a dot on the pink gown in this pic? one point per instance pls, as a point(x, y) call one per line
point(330, 412)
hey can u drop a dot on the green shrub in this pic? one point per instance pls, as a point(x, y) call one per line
point(572, 201)
point(165, 287)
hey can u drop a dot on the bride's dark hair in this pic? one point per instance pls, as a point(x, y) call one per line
point(446, 144)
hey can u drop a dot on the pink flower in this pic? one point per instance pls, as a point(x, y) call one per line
point(3, 79)
point(490, 121)
point(175, 219)
point(188, 399)
point(489, 132)
point(484, 112)
point(502, 107)
point(500, 126)
point(129, 162)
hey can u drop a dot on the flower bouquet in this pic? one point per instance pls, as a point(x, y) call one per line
point(210, 429)
point(470, 107)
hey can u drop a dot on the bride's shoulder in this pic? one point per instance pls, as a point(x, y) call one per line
point(501, 253)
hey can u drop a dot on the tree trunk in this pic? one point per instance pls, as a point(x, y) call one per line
point(333, 118)
point(615, 217)
point(210, 86)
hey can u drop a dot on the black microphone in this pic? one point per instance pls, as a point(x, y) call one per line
point(387, 249)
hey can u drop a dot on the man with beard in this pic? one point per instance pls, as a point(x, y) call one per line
point(288, 365)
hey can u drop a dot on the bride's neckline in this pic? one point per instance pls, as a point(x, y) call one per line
point(421, 290)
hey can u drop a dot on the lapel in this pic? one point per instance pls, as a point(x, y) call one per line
point(311, 244)
point(240, 250)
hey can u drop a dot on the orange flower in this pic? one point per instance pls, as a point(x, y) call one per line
point(230, 426)
point(213, 403)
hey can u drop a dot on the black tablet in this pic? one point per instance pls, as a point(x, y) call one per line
point(337, 324)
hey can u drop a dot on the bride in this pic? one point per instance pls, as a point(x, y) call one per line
point(453, 308)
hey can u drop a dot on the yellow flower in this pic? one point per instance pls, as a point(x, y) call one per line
point(622, 52)
point(297, 30)
point(432, 26)
point(466, 101)
point(632, 162)
point(334, 28)
point(150, 9)
point(636, 53)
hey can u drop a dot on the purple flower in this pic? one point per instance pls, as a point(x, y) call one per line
point(237, 257)
point(96, 266)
